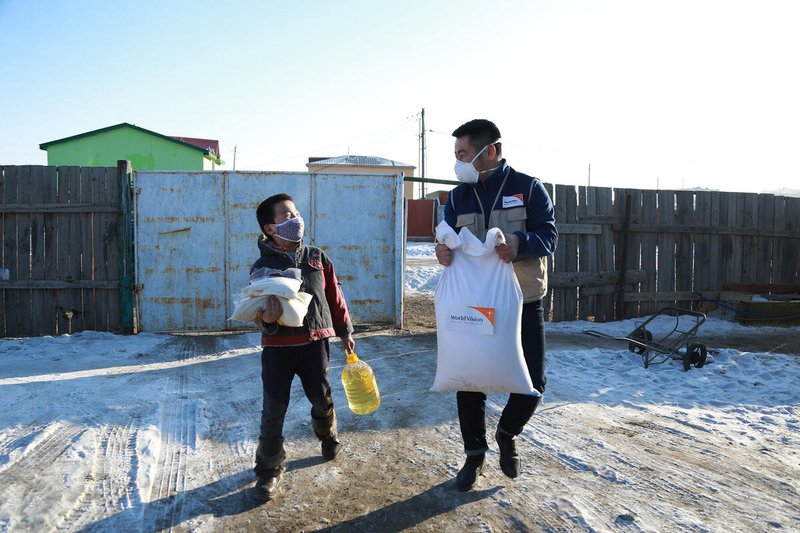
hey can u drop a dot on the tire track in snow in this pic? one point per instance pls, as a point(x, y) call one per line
point(178, 436)
point(110, 485)
point(31, 495)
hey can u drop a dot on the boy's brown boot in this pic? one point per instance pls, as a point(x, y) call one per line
point(270, 464)
point(325, 430)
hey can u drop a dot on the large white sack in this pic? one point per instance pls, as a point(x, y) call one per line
point(478, 318)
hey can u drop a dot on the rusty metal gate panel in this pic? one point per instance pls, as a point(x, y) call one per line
point(189, 284)
point(180, 245)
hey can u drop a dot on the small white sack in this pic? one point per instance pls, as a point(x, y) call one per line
point(479, 318)
point(255, 295)
point(294, 310)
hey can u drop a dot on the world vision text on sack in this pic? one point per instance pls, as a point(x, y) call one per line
point(470, 319)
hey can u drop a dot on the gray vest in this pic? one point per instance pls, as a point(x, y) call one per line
point(531, 271)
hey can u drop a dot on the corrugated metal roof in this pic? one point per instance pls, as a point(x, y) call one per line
point(206, 144)
point(359, 161)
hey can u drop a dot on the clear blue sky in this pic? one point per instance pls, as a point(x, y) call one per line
point(679, 93)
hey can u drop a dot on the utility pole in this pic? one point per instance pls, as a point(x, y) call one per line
point(422, 150)
point(234, 158)
point(589, 184)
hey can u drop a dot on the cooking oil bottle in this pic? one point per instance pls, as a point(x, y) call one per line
point(360, 386)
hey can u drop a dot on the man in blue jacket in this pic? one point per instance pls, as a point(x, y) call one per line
point(492, 194)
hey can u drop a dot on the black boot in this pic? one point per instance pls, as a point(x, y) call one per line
point(468, 475)
point(509, 458)
point(270, 464)
point(325, 430)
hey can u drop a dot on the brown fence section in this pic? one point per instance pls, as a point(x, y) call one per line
point(67, 250)
point(624, 253)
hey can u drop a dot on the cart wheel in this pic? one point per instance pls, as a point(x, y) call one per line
point(698, 354)
point(687, 360)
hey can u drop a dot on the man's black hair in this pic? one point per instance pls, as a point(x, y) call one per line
point(480, 132)
point(266, 210)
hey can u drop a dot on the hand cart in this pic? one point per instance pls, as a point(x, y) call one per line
point(677, 344)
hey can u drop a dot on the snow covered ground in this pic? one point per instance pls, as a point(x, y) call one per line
point(100, 432)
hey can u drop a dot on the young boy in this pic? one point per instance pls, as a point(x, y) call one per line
point(303, 351)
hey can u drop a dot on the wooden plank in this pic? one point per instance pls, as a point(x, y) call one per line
point(706, 230)
point(702, 243)
point(57, 284)
point(634, 252)
point(606, 252)
point(100, 249)
point(735, 219)
point(580, 229)
point(24, 297)
point(660, 297)
point(712, 271)
point(124, 174)
point(73, 310)
point(10, 250)
point(774, 288)
point(559, 259)
point(750, 244)
point(571, 242)
point(37, 194)
point(593, 248)
point(112, 247)
point(87, 249)
point(594, 279)
point(766, 216)
point(39, 207)
point(779, 222)
point(648, 254)
point(63, 237)
point(684, 260)
point(791, 248)
point(583, 255)
point(50, 313)
point(665, 282)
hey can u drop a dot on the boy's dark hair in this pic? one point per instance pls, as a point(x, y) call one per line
point(266, 209)
point(480, 132)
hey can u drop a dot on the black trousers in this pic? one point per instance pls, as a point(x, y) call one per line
point(520, 407)
point(279, 364)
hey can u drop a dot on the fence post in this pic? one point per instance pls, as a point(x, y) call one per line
point(125, 248)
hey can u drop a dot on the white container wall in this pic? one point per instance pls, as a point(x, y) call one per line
point(196, 235)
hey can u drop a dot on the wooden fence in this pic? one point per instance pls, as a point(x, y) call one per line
point(67, 247)
point(624, 253)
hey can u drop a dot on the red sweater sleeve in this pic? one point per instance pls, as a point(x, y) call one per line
point(336, 302)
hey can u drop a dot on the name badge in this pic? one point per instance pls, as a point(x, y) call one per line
point(512, 201)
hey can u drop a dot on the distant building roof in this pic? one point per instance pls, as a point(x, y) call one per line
point(357, 161)
point(207, 146)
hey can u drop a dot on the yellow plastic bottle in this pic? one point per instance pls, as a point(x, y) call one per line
point(360, 386)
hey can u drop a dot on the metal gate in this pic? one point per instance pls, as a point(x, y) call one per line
point(196, 236)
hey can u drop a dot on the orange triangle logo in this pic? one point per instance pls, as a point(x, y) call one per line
point(488, 312)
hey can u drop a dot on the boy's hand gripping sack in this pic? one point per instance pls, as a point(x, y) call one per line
point(479, 318)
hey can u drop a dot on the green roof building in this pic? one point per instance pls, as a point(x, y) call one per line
point(145, 149)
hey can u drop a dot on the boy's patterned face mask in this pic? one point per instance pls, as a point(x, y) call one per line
point(292, 229)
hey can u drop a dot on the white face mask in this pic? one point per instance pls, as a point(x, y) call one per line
point(467, 173)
